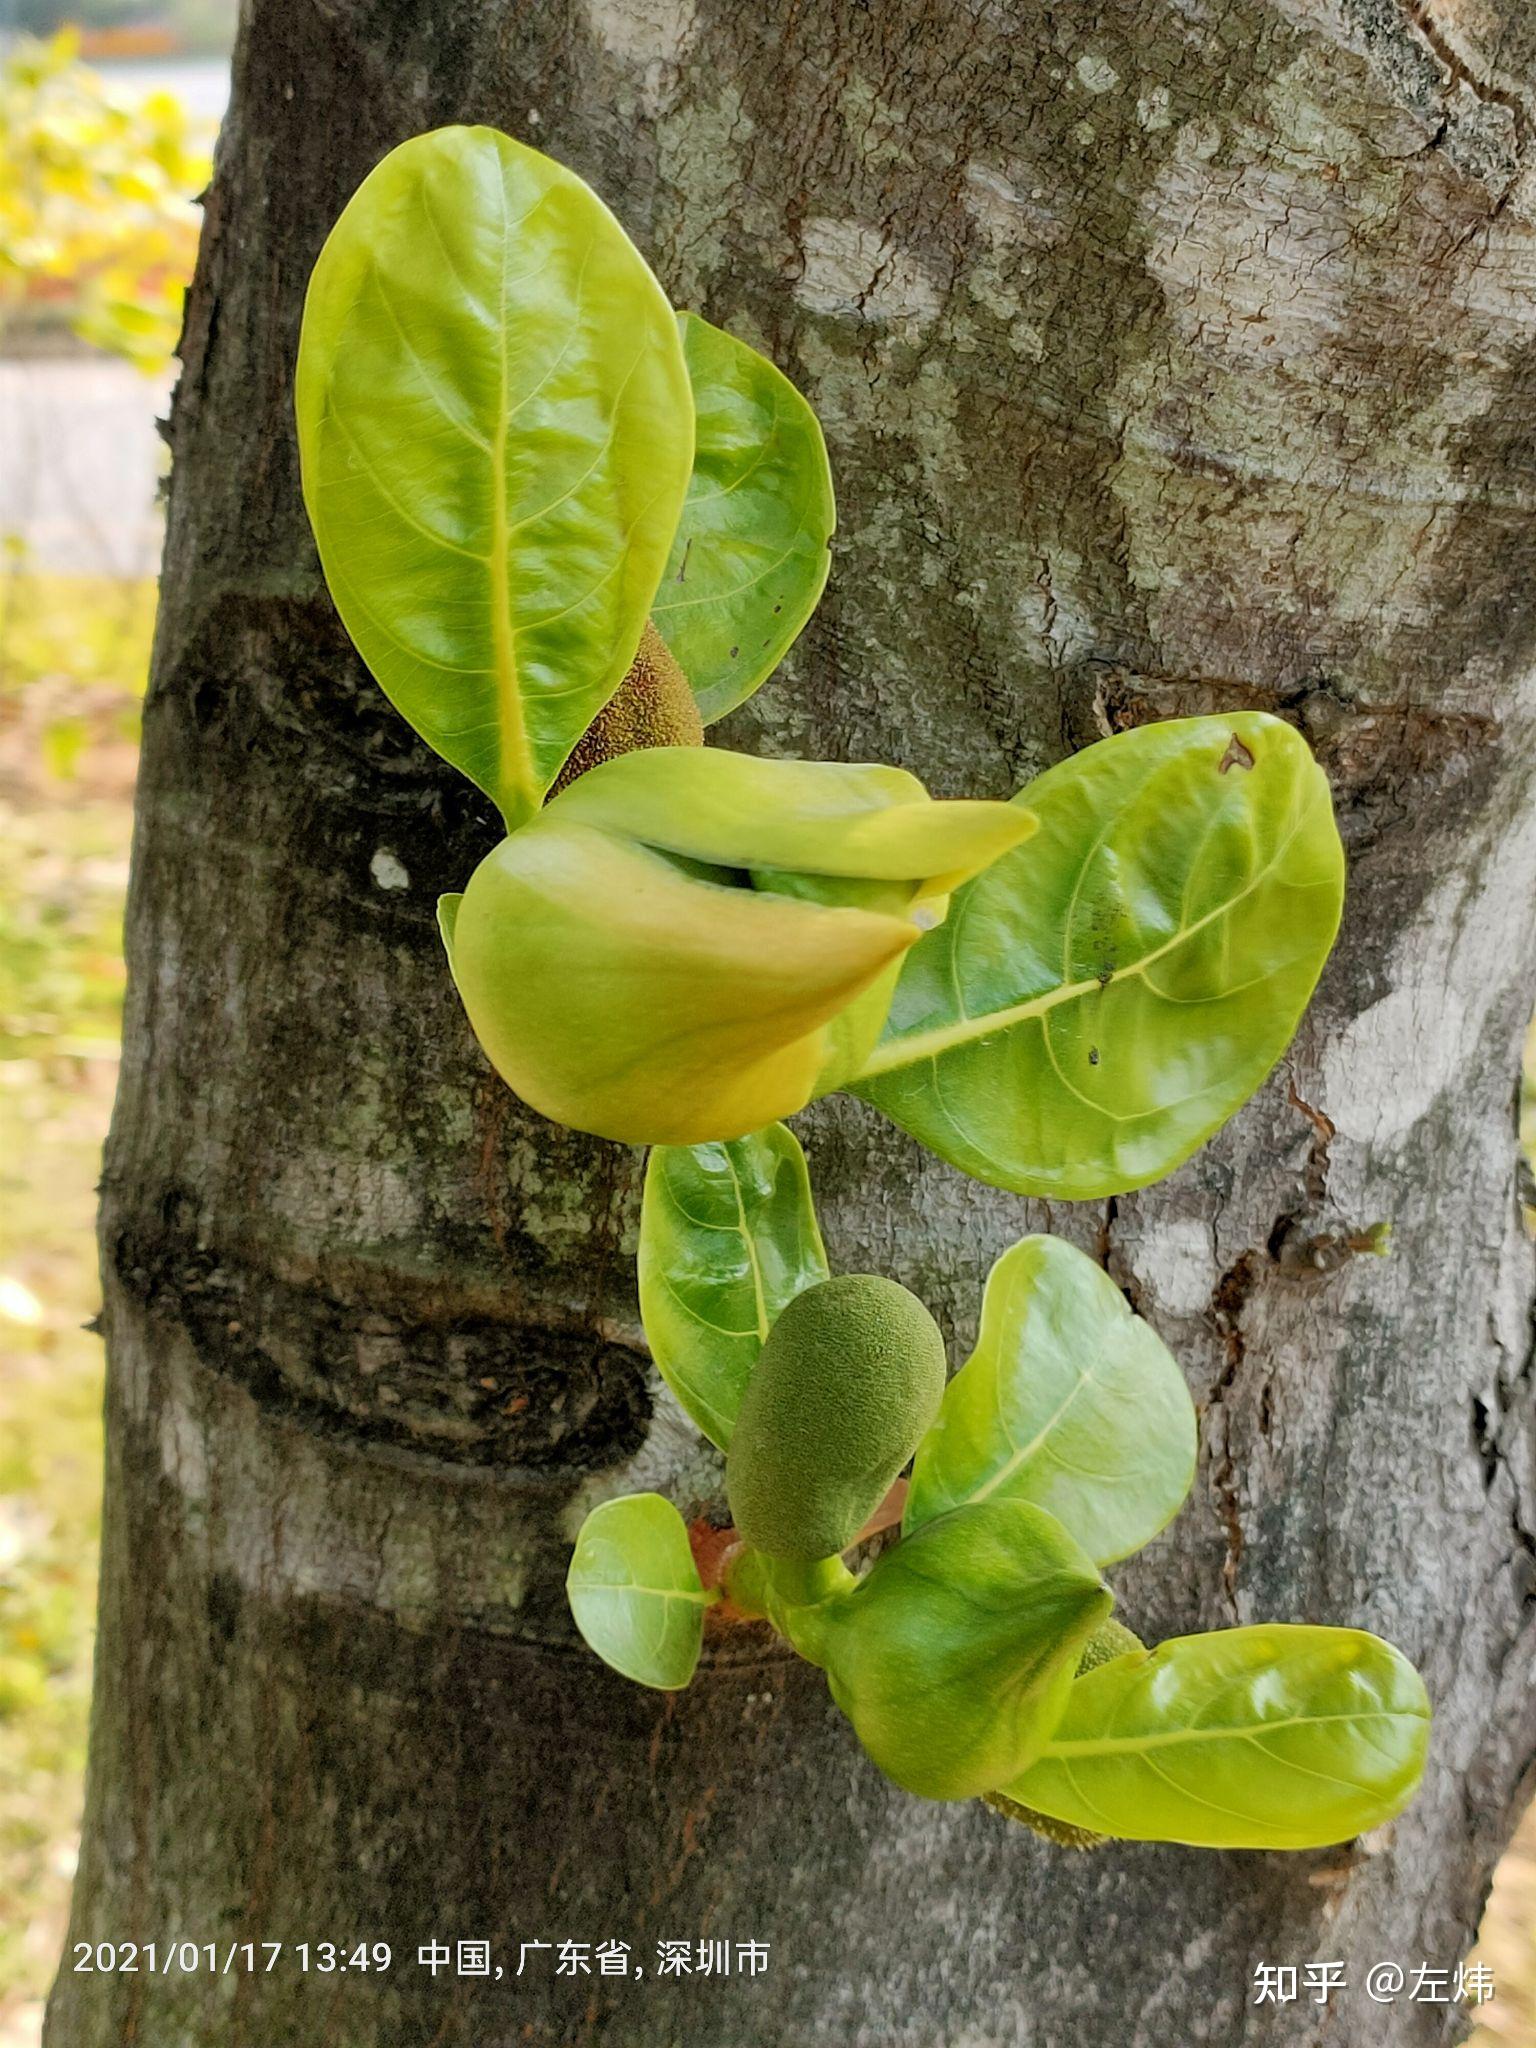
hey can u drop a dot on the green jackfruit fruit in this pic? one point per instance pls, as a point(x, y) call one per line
point(654, 706)
point(1110, 1639)
point(844, 1389)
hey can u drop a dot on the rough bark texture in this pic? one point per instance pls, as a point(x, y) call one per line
point(1174, 356)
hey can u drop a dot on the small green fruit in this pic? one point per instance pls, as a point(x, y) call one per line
point(843, 1391)
point(1111, 1639)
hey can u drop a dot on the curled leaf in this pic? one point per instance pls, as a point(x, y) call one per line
point(635, 1591)
point(649, 961)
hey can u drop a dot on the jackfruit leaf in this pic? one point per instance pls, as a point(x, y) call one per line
point(495, 439)
point(625, 978)
point(728, 1237)
point(1273, 1737)
point(635, 1591)
point(954, 1655)
point(858, 820)
point(1099, 1001)
point(1069, 1400)
point(750, 556)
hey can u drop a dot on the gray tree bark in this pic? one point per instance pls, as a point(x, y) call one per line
point(1174, 357)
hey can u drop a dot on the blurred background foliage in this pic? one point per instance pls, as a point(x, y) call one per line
point(99, 172)
point(74, 653)
point(98, 221)
point(99, 176)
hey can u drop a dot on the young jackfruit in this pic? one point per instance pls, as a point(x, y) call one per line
point(845, 1387)
point(1110, 1639)
point(653, 707)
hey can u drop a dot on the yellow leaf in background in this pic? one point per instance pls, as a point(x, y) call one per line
point(97, 214)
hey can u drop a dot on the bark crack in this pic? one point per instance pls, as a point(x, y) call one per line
point(1421, 20)
point(377, 1358)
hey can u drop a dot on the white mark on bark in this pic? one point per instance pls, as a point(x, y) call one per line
point(1152, 109)
point(1097, 73)
point(1200, 138)
point(851, 267)
point(1011, 207)
point(387, 871)
point(1385, 1072)
point(1051, 606)
point(1173, 1263)
point(184, 1452)
point(650, 38)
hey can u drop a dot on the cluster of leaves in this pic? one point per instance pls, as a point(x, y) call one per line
point(97, 213)
point(517, 461)
point(514, 453)
point(1064, 1444)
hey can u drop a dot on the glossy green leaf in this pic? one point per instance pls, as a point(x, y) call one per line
point(749, 560)
point(496, 435)
point(1253, 1738)
point(954, 1656)
point(1069, 1400)
point(1101, 1000)
point(626, 978)
point(728, 1237)
point(635, 1591)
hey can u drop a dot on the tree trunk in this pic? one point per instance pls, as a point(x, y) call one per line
point(1173, 358)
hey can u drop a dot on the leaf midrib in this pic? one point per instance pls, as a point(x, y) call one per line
point(895, 1053)
point(1119, 1745)
point(516, 779)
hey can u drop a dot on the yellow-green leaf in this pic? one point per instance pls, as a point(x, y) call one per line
point(635, 1591)
point(1102, 999)
point(496, 436)
point(627, 978)
point(954, 1655)
point(1273, 1737)
point(749, 559)
point(1069, 1400)
point(728, 1238)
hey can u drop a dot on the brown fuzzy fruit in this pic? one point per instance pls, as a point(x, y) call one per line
point(652, 707)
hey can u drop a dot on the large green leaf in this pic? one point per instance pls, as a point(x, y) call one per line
point(1103, 998)
point(635, 1592)
point(728, 1237)
point(749, 559)
point(1254, 1738)
point(496, 435)
point(953, 1657)
point(1069, 1400)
